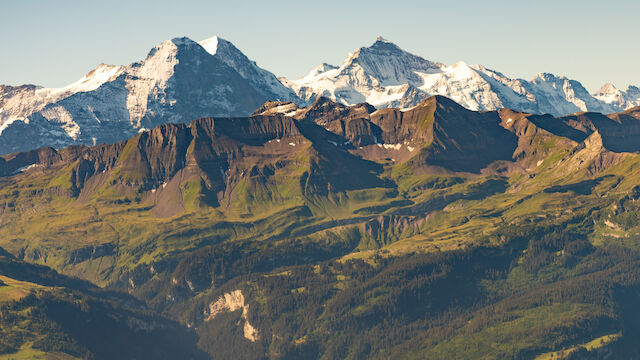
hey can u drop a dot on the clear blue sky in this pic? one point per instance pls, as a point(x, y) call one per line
point(53, 43)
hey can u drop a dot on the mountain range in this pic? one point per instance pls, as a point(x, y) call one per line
point(385, 76)
point(332, 231)
point(181, 80)
point(192, 205)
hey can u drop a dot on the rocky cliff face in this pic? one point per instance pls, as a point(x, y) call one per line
point(231, 302)
point(438, 129)
point(326, 147)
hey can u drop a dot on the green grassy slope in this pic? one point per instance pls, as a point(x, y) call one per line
point(47, 315)
point(350, 232)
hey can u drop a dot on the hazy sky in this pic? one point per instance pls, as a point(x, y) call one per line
point(53, 43)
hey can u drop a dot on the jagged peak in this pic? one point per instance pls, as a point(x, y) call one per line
point(380, 47)
point(608, 88)
point(183, 40)
point(547, 77)
point(633, 90)
point(325, 67)
point(557, 80)
point(380, 41)
point(382, 44)
point(172, 46)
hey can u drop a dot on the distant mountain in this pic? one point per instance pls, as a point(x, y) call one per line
point(180, 80)
point(384, 75)
point(618, 98)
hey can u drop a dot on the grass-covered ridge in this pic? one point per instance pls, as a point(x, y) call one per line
point(351, 232)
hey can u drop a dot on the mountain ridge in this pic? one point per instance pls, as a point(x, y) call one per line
point(474, 86)
point(297, 232)
point(178, 81)
point(181, 80)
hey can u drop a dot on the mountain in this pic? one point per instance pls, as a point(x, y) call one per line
point(386, 76)
point(259, 78)
point(618, 98)
point(45, 315)
point(344, 231)
point(179, 80)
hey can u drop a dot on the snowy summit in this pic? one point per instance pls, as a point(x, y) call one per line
point(384, 75)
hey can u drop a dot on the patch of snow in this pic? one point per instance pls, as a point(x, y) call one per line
point(392, 146)
point(25, 168)
point(408, 108)
point(210, 45)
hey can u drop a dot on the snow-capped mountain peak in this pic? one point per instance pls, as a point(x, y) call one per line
point(610, 94)
point(385, 75)
point(546, 77)
point(608, 88)
point(178, 81)
point(384, 44)
point(382, 74)
point(389, 64)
